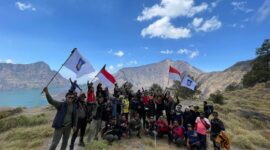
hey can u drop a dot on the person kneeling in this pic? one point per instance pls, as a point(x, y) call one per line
point(177, 134)
point(162, 127)
point(112, 131)
point(135, 125)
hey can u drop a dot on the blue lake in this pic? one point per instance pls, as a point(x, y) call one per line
point(26, 98)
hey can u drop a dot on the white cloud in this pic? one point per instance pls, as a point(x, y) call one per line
point(264, 11)
point(111, 68)
point(210, 25)
point(25, 6)
point(235, 25)
point(119, 65)
point(197, 22)
point(164, 29)
point(119, 53)
point(183, 51)
point(172, 9)
point(190, 53)
point(166, 52)
point(215, 3)
point(132, 62)
point(241, 5)
point(194, 54)
point(9, 61)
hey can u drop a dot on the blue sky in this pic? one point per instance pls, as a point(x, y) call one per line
point(210, 35)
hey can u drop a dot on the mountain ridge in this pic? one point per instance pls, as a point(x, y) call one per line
point(28, 76)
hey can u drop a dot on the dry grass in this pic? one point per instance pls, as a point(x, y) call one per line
point(246, 116)
point(23, 131)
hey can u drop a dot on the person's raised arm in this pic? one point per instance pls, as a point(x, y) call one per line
point(50, 100)
point(78, 87)
point(70, 81)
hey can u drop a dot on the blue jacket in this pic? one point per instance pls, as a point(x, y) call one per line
point(61, 112)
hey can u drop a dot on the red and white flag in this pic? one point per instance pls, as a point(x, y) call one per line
point(174, 74)
point(106, 78)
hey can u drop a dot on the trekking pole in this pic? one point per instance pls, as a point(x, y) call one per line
point(60, 68)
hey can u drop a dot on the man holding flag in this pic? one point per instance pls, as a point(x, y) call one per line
point(66, 116)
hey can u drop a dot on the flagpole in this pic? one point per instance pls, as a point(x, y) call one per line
point(98, 73)
point(60, 68)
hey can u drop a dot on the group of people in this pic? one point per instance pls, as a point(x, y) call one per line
point(125, 114)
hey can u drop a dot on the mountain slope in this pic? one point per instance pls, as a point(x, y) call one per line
point(21, 76)
point(145, 76)
point(210, 82)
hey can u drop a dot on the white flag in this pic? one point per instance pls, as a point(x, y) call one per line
point(188, 82)
point(79, 65)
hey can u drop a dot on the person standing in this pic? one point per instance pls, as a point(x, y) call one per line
point(81, 108)
point(91, 102)
point(126, 107)
point(99, 116)
point(64, 120)
point(208, 109)
point(217, 126)
point(202, 125)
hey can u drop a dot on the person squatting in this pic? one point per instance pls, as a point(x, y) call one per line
point(126, 114)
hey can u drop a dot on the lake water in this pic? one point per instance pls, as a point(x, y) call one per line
point(27, 98)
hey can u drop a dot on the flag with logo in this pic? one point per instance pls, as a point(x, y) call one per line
point(106, 78)
point(174, 74)
point(188, 83)
point(79, 65)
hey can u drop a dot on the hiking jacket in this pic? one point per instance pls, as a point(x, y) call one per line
point(216, 127)
point(151, 109)
point(163, 126)
point(61, 112)
point(91, 98)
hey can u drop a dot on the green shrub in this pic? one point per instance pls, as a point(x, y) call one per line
point(22, 121)
point(217, 98)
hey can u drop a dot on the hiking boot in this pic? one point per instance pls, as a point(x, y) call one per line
point(82, 144)
point(139, 136)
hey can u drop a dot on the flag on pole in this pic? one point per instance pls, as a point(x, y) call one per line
point(174, 74)
point(106, 78)
point(188, 83)
point(79, 65)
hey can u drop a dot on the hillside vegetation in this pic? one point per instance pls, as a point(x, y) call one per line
point(246, 115)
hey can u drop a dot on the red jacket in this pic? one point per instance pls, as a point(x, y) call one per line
point(178, 131)
point(146, 100)
point(163, 126)
point(91, 97)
